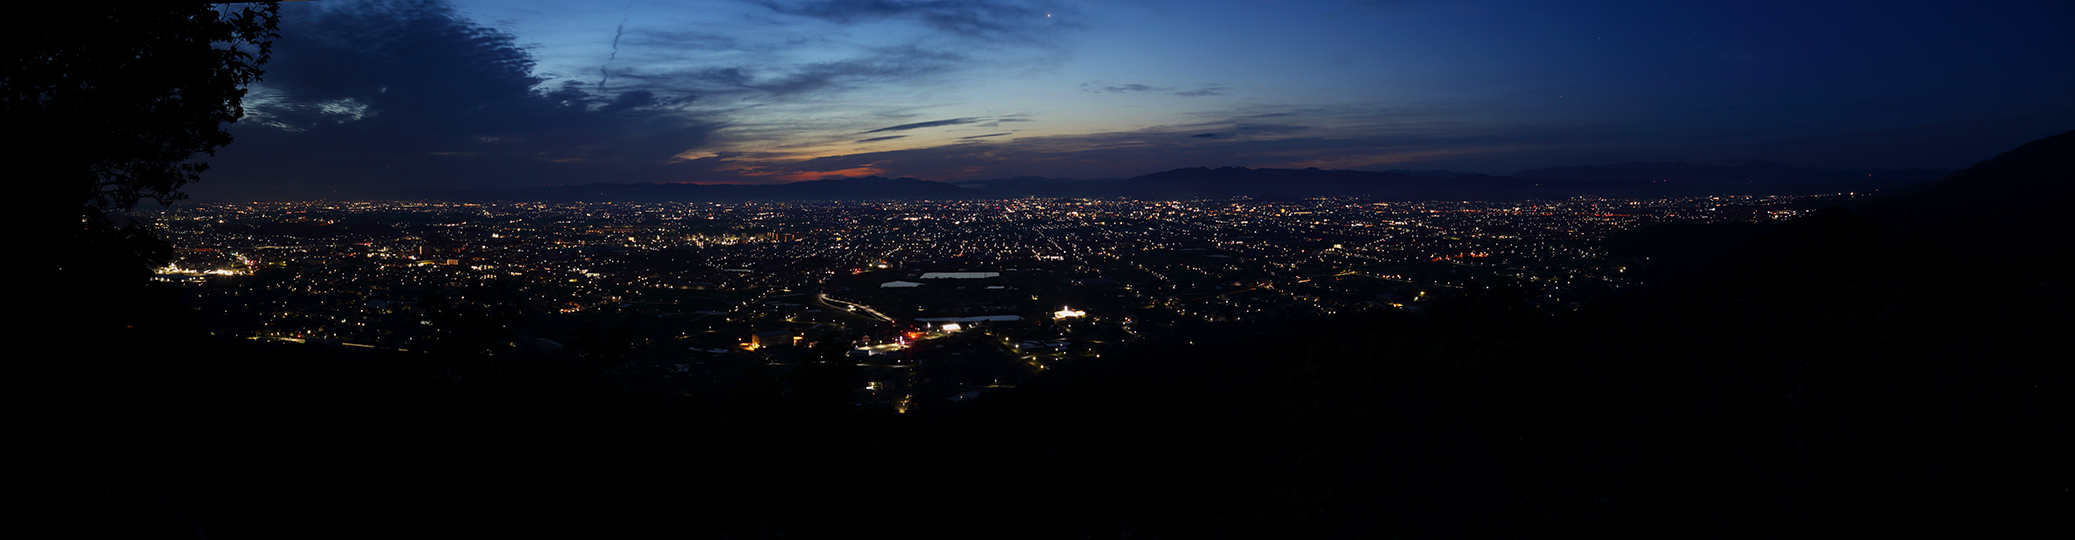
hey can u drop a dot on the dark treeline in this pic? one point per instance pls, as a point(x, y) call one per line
point(1830, 375)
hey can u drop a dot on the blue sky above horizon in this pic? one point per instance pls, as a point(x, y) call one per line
point(365, 96)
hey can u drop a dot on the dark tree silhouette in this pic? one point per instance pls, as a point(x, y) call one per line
point(122, 97)
point(111, 104)
point(108, 104)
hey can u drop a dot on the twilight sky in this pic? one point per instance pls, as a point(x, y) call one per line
point(366, 96)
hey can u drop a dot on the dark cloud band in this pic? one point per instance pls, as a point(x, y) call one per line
point(930, 124)
point(1098, 88)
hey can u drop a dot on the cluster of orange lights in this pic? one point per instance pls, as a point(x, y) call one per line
point(1470, 255)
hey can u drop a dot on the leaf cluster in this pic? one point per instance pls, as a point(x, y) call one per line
point(118, 99)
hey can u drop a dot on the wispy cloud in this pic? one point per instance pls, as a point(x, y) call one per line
point(1097, 87)
point(929, 124)
point(987, 20)
point(883, 66)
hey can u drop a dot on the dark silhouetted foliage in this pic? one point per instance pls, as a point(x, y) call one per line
point(112, 104)
point(120, 98)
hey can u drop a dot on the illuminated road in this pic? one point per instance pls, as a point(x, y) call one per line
point(854, 307)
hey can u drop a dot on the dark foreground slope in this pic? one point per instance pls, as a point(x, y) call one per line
point(1830, 376)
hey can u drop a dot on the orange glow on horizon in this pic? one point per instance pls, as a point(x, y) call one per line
point(804, 176)
point(754, 177)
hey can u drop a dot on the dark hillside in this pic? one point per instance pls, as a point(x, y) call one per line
point(2019, 200)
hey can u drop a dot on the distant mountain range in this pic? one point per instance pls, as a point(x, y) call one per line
point(1622, 180)
point(1754, 173)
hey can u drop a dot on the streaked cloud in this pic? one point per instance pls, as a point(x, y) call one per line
point(981, 19)
point(929, 124)
point(1098, 87)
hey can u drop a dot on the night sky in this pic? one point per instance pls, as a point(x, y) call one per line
point(363, 97)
